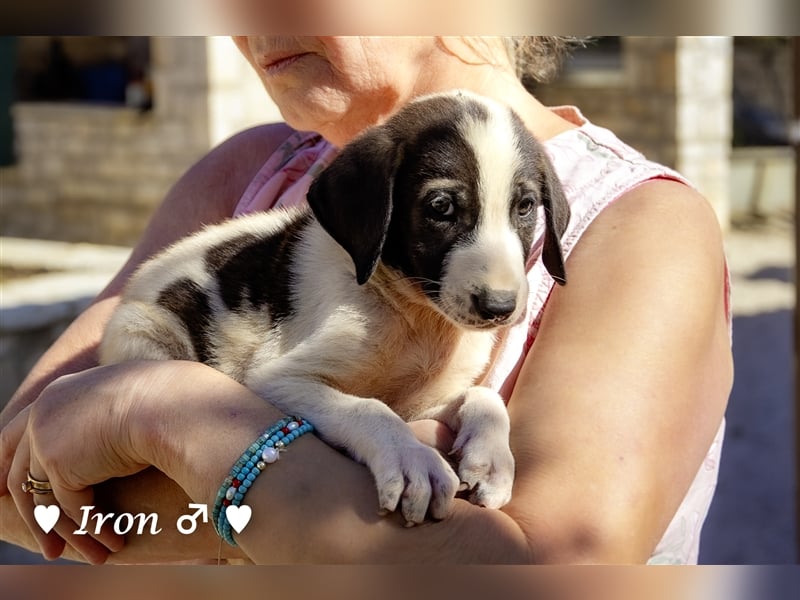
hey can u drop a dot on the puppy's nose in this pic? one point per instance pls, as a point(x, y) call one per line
point(494, 304)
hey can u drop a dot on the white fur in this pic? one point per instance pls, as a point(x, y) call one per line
point(493, 259)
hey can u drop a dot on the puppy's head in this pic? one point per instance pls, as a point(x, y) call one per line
point(448, 191)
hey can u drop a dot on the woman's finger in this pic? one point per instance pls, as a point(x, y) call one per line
point(76, 506)
point(87, 546)
point(10, 437)
point(50, 543)
point(50, 527)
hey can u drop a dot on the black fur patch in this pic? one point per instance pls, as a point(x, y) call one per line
point(538, 176)
point(189, 302)
point(419, 240)
point(253, 271)
point(528, 180)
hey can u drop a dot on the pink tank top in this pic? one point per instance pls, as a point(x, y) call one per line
point(595, 169)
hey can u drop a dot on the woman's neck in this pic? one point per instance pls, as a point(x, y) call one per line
point(446, 73)
point(505, 88)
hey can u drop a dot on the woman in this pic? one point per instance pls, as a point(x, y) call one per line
point(616, 386)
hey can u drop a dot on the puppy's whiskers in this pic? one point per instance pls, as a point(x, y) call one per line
point(422, 280)
point(412, 280)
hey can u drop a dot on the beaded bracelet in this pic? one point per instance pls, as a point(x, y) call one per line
point(265, 450)
point(246, 456)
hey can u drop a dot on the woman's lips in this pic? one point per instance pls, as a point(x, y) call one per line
point(273, 65)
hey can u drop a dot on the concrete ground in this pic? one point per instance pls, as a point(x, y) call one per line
point(752, 518)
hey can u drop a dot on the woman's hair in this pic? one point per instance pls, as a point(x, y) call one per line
point(535, 59)
point(538, 59)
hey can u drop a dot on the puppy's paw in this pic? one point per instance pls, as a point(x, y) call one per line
point(486, 468)
point(418, 479)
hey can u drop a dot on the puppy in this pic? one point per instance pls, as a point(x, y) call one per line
point(378, 305)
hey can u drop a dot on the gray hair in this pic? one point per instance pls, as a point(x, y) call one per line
point(538, 59)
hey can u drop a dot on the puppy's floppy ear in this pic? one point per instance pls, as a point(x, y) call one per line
point(352, 198)
point(556, 212)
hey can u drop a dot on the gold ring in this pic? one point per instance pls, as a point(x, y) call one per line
point(36, 486)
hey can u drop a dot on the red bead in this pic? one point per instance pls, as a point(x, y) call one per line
point(285, 430)
point(226, 502)
point(236, 483)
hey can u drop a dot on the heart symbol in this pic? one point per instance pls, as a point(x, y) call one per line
point(46, 516)
point(238, 516)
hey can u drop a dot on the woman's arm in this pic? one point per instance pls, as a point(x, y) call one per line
point(622, 393)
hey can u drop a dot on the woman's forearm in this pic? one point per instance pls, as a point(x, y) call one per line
point(330, 515)
point(314, 505)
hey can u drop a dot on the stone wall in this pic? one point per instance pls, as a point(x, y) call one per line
point(91, 173)
point(671, 99)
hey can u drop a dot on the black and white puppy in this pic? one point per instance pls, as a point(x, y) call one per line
point(378, 305)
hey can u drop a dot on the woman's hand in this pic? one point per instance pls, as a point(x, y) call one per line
point(77, 433)
point(184, 418)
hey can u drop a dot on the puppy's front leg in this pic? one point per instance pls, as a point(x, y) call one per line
point(406, 471)
point(485, 462)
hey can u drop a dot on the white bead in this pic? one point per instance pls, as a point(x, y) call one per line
point(270, 455)
point(229, 494)
point(292, 426)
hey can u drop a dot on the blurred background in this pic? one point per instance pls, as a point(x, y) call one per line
point(94, 130)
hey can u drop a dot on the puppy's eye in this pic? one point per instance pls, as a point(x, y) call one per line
point(526, 205)
point(442, 205)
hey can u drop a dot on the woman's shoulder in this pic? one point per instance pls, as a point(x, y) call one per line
point(223, 174)
point(248, 149)
point(598, 170)
point(665, 211)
